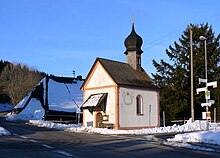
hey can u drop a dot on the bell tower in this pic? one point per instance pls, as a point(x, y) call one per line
point(133, 51)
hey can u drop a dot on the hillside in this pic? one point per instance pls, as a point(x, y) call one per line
point(16, 80)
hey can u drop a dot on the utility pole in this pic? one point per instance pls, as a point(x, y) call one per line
point(192, 94)
point(164, 120)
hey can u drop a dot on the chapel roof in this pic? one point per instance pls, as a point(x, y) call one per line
point(124, 74)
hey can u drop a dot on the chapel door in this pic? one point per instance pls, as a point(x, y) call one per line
point(99, 120)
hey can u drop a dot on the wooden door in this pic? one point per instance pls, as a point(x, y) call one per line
point(99, 120)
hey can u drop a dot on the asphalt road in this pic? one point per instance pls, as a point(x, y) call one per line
point(33, 142)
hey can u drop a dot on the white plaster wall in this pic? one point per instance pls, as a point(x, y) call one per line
point(100, 82)
point(127, 108)
point(99, 78)
point(88, 118)
point(110, 107)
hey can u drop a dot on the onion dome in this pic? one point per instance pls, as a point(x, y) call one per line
point(133, 42)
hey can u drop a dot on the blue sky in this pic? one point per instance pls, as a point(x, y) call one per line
point(59, 36)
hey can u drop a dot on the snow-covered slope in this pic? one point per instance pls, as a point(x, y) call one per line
point(61, 97)
point(4, 131)
point(34, 111)
point(22, 102)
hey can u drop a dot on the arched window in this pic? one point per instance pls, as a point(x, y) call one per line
point(139, 61)
point(139, 104)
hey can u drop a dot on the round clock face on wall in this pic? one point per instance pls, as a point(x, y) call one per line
point(128, 99)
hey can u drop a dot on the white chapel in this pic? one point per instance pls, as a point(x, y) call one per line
point(121, 95)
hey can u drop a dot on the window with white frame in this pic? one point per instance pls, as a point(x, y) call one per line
point(139, 104)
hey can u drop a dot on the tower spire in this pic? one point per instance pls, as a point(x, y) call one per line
point(133, 51)
point(133, 42)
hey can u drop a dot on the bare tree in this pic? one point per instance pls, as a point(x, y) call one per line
point(18, 80)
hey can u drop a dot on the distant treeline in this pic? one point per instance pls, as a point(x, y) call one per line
point(16, 81)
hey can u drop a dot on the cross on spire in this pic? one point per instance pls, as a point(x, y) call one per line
point(133, 19)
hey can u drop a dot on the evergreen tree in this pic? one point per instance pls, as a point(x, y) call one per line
point(4, 98)
point(2, 65)
point(173, 77)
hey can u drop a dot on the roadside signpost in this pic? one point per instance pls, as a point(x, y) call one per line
point(208, 102)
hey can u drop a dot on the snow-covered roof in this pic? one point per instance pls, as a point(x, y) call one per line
point(22, 102)
point(64, 96)
point(5, 107)
point(61, 96)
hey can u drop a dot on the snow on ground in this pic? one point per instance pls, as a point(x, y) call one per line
point(4, 108)
point(32, 112)
point(180, 140)
point(4, 131)
point(200, 140)
point(187, 140)
point(196, 126)
point(48, 124)
point(189, 146)
point(209, 137)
